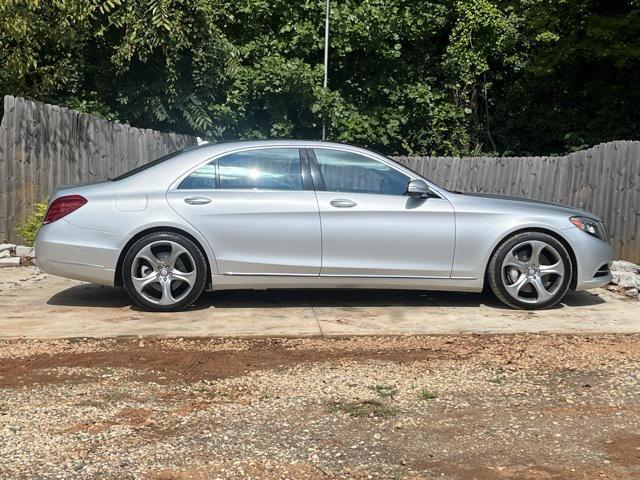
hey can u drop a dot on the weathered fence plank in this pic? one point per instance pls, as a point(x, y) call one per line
point(43, 146)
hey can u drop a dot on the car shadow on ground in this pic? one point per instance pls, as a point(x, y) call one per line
point(89, 295)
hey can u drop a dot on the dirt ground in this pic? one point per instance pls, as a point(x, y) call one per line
point(486, 407)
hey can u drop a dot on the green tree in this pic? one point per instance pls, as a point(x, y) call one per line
point(580, 85)
point(439, 77)
point(152, 63)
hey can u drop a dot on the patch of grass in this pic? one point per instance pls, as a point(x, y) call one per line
point(499, 377)
point(385, 391)
point(365, 408)
point(427, 394)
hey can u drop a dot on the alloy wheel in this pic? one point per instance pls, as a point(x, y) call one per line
point(163, 272)
point(533, 272)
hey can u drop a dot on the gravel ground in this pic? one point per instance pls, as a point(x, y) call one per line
point(450, 407)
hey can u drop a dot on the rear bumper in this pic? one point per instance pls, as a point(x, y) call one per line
point(78, 253)
point(591, 256)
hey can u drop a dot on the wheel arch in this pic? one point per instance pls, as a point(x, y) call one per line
point(118, 280)
point(551, 233)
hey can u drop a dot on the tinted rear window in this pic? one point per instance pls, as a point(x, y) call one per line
point(152, 163)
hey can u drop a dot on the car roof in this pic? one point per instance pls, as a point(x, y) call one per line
point(271, 143)
point(190, 156)
point(166, 171)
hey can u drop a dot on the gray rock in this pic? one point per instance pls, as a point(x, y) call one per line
point(6, 246)
point(624, 266)
point(626, 279)
point(24, 251)
point(5, 253)
point(10, 262)
point(632, 292)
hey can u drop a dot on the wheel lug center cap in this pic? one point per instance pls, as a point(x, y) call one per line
point(531, 272)
point(164, 272)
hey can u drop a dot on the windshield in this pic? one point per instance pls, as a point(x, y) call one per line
point(152, 163)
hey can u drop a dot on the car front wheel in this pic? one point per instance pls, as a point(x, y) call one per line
point(530, 270)
point(164, 271)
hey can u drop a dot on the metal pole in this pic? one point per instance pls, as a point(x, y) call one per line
point(326, 64)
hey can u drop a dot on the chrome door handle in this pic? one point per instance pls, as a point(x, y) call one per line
point(342, 203)
point(197, 200)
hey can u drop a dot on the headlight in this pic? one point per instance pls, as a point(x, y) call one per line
point(588, 225)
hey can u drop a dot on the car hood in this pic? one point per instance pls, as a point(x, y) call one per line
point(518, 203)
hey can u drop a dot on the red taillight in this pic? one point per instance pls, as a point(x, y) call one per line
point(63, 206)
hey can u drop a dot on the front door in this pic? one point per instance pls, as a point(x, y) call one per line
point(371, 228)
point(256, 211)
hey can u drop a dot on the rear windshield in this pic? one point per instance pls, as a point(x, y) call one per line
point(152, 163)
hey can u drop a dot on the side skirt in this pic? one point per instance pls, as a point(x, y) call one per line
point(265, 282)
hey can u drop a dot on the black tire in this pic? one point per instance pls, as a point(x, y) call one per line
point(496, 276)
point(197, 261)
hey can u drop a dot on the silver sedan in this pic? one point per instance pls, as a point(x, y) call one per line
point(301, 214)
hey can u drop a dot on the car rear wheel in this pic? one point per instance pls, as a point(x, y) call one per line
point(530, 270)
point(164, 271)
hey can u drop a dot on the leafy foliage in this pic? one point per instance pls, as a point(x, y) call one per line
point(29, 228)
point(405, 76)
point(580, 84)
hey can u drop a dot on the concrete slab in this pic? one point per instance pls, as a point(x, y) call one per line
point(37, 305)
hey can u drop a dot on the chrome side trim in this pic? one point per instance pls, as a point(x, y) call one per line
point(78, 264)
point(420, 277)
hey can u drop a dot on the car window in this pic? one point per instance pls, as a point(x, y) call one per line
point(267, 168)
point(203, 178)
point(351, 172)
point(146, 166)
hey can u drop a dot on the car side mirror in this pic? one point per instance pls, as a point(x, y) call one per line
point(418, 189)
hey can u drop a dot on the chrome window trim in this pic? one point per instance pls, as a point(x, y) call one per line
point(176, 183)
point(306, 145)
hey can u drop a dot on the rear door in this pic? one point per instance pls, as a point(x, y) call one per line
point(258, 210)
point(371, 228)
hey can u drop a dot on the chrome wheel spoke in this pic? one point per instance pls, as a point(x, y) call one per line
point(536, 249)
point(167, 295)
point(147, 255)
point(187, 277)
point(176, 251)
point(555, 269)
point(140, 283)
point(543, 293)
point(512, 261)
point(514, 288)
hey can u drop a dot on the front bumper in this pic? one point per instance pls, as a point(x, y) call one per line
point(592, 255)
point(78, 253)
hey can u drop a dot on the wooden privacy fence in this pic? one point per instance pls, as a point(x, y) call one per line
point(43, 146)
point(604, 180)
